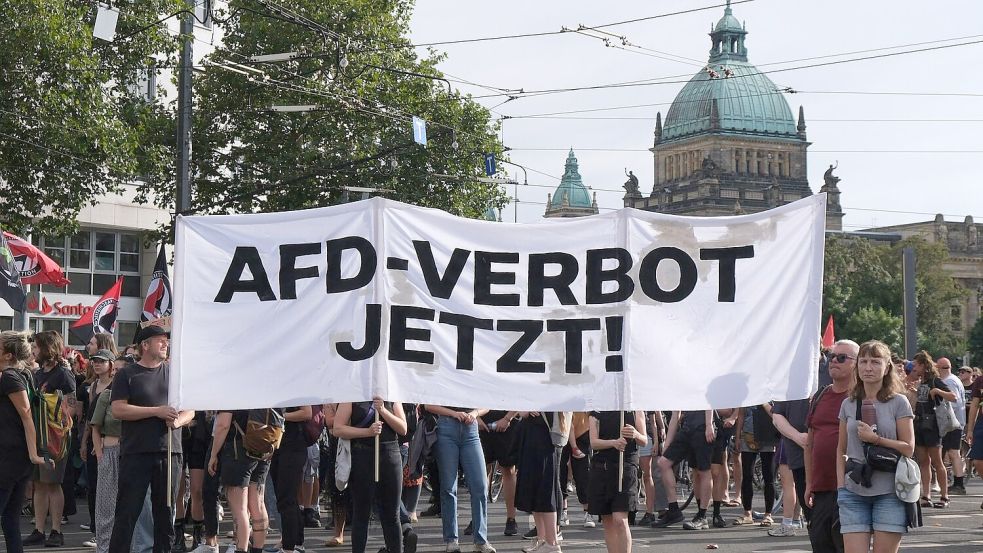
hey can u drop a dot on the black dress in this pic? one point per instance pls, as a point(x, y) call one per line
point(537, 487)
point(603, 497)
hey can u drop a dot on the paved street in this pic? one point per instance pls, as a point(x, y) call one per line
point(958, 529)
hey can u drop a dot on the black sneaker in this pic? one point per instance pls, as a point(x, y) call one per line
point(55, 539)
point(957, 490)
point(470, 529)
point(698, 523)
point(647, 519)
point(36, 538)
point(511, 528)
point(311, 520)
point(409, 541)
point(432, 511)
point(719, 522)
point(530, 535)
point(672, 517)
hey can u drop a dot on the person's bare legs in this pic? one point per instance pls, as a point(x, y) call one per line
point(738, 475)
point(649, 482)
point(925, 467)
point(856, 542)
point(240, 515)
point(935, 453)
point(545, 526)
point(508, 490)
point(887, 542)
point(258, 514)
point(617, 534)
point(789, 500)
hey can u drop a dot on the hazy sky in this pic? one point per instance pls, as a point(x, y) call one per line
point(920, 154)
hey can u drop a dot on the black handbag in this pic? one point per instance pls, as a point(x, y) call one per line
point(879, 457)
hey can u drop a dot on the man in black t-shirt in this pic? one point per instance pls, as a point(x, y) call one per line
point(691, 436)
point(139, 400)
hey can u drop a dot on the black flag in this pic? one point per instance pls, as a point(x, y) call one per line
point(11, 288)
point(158, 301)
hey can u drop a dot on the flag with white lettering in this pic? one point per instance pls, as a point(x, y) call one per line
point(11, 289)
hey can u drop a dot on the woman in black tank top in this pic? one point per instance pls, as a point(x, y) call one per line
point(356, 422)
point(608, 438)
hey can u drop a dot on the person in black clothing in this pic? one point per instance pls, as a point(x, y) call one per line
point(18, 445)
point(361, 423)
point(537, 488)
point(287, 469)
point(607, 439)
point(54, 375)
point(691, 436)
point(499, 443)
point(139, 400)
point(927, 392)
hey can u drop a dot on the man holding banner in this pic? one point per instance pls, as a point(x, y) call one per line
point(140, 401)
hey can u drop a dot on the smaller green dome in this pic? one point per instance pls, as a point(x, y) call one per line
point(571, 191)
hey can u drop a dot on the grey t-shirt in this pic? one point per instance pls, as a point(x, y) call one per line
point(956, 385)
point(888, 413)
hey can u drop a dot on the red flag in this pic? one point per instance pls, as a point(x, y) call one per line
point(35, 267)
point(828, 338)
point(101, 317)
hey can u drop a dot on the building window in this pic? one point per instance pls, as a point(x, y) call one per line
point(6, 323)
point(203, 13)
point(95, 260)
point(957, 318)
point(126, 331)
point(145, 85)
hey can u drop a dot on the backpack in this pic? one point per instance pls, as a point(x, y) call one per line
point(314, 426)
point(53, 421)
point(263, 432)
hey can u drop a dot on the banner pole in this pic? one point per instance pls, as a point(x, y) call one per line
point(621, 455)
point(170, 501)
point(377, 449)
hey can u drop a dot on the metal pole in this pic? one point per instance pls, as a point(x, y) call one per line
point(910, 303)
point(184, 105)
point(22, 319)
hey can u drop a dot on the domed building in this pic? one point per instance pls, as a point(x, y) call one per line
point(571, 198)
point(730, 143)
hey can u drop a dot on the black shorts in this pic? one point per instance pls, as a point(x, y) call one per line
point(952, 440)
point(927, 437)
point(691, 445)
point(239, 470)
point(501, 447)
point(197, 455)
point(603, 497)
point(720, 445)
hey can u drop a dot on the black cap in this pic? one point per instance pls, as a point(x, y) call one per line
point(150, 331)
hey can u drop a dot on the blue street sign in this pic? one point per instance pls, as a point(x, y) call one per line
point(419, 131)
point(489, 165)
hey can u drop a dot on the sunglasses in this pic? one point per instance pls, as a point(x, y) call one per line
point(841, 358)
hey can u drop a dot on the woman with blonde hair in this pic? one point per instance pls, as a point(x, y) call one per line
point(875, 413)
point(18, 436)
point(929, 391)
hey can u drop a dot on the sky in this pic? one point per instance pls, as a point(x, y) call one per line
point(905, 129)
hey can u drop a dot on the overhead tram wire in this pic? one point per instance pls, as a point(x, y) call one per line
point(546, 33)
point(640, 150)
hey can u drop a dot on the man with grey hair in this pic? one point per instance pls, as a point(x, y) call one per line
point(823, 425)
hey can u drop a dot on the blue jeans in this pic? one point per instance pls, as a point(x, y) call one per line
point(143, 532)
point(458, 446)
point(877, 513)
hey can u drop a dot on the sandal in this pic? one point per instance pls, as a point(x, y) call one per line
point(743, 521)
point(737, 503)
point(334, 542)
point(942, 503)
point(767, 521)
point(926, 502)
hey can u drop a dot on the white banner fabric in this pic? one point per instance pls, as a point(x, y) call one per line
point(627, 309)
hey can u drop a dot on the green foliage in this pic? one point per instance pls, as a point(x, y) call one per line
point(248, 158)
point(70, 129)
point(975, 343)
point(863, 289)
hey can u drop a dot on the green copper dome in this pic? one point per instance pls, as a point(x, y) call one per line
point(571, 190)
point(730, 94)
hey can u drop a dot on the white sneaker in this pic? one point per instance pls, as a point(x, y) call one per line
point(589, 520)
point(484, 548)
point(534, 547)
point(204, 548)
point(782, 531)
point(452, 547)
point(547, 548)
point(89, 543)
point(564, 518)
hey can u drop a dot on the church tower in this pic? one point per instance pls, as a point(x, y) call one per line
point(571, 198)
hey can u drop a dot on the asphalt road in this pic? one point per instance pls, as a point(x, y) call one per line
point(958, 529)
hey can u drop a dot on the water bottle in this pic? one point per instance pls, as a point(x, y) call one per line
point(868, 412)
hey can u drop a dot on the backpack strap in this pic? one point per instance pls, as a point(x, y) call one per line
point(817, 397)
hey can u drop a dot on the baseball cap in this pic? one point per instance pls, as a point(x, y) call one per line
point(103, 354)
point(150, 331)
point(907, 480)
point(965, 369)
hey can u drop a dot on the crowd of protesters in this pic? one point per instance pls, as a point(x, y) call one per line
point(155, 477)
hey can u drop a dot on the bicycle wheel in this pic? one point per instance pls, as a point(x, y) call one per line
point(684, 481)
point(495, 483)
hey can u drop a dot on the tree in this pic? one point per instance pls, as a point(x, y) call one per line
point(975, 344)
point(249, 158)
point(863, 289)
point(70, 127)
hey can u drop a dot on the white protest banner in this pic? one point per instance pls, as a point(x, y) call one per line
point(628, 309)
